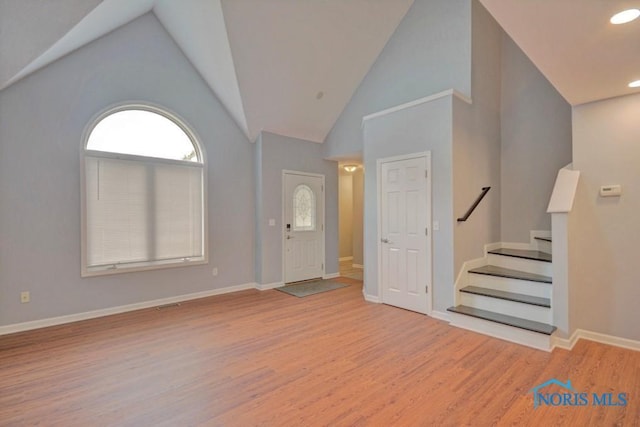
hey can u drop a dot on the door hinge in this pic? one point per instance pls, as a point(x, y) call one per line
point(322, 188)
point(426, 289)
point(426, 231)
point(426, 173)
point(322, 266)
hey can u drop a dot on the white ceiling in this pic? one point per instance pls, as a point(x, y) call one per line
point(287, 51)
point(267, 61)
point(291, 66)
point(573, 44)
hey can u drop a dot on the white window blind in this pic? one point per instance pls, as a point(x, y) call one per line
point(144, 198)
point(142, 211)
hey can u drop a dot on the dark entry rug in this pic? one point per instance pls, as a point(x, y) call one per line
point(313, 287)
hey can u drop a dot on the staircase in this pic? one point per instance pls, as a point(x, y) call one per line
point(507, 294)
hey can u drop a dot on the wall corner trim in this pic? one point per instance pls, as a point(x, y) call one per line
point(267, 286)
point(435, 96)
point(371, 298)
point(440, 315)
point(568, 344)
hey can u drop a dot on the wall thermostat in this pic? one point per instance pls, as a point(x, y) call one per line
point(610, 190)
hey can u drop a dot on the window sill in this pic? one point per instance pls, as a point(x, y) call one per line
point(142, 266)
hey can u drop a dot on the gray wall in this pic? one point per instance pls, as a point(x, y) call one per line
point(604, 232)
point(429, 52)
point(536, 143)
point(425, 127)
point(476, 144)
point(43, 118)
point(279, 153)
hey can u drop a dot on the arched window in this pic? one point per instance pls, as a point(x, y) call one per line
point(143, 192)
point(304, 209)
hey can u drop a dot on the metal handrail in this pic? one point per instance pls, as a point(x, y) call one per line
point(475, 204)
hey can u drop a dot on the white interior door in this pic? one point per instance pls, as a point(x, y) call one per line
point(303, 226)
point(404, 237)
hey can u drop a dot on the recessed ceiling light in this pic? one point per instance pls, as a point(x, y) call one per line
point(625, 16)
point(635, 84)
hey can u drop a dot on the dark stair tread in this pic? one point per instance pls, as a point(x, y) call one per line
point(523, 253)
point(510, 296)
point(517, 322)
point(544, 239)
point(493, 270)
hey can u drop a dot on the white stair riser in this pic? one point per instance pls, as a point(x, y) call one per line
point(510, 308)
point(521, 264)
point(506, 284)
point(505, 332)
point(544, 246)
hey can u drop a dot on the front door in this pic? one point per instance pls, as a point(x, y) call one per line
point(404, 216)
point(303, 226)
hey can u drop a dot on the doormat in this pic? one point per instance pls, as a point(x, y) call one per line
point(305, 289)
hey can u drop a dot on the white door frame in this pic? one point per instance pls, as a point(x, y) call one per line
point(282, 220)
point(379, 162)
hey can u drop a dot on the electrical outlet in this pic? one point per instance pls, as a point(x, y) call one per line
point(25, 297)
point(214, 271)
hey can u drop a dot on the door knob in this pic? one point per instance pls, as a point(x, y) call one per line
point(384, 240)
point(289, 237)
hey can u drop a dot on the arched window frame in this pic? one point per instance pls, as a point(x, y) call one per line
point(87, 154)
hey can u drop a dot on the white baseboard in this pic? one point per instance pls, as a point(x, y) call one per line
point(345, 258)
point(331, 276)
point(516, 245)
point(371, 298)
point(491, 246)
point(357, 265)
point(441, 315)
point(60, 320)
point(579, 334)
point(507, 245)
point(267, 286)
point(463, 276)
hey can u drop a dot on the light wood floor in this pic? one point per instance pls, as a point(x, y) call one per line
point(270, 359)
point(349, 271)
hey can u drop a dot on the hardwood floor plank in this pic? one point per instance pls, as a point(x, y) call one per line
point(270, 359)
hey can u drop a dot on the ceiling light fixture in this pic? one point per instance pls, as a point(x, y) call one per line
point(350, 168)
point(635, 84)
point(625, 16)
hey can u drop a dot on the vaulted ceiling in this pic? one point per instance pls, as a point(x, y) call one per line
point(284, 66)
point(291, 66)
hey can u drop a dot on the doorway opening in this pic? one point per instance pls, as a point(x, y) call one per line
point(351, 219)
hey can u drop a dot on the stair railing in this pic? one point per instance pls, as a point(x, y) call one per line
point(475, 204)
